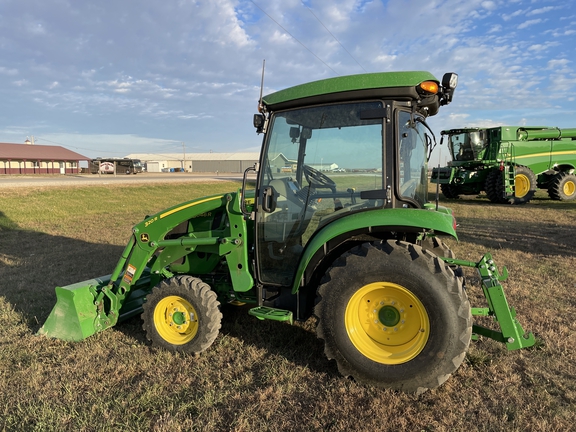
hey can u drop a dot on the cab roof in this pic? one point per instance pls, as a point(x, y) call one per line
point(394, 85)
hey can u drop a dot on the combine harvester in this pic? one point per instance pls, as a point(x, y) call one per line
point(358, 249)
point(509, 163)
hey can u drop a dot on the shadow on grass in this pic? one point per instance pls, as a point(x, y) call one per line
point(32, 264)
point(296, 343)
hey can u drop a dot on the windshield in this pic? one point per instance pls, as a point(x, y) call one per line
point(319, 163)
point(467, 145)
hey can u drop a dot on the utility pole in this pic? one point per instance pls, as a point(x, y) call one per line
point(184, 150)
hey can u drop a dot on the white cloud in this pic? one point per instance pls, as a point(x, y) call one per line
point(508, 17)
point(8, 71)
point(529, 23)
point(458, 118)
point(556, 64)
point(542, 47)
point(150, 68)
point(540, 10)
point(489, 5)
point(36, 29)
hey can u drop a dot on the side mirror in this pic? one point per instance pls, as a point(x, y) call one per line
point(449, 83)
point(294, 133)
point(450, 80)
point(258, 122)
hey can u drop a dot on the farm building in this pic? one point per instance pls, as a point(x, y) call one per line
point(38, 159)
point(198, 162)
point(216, 162)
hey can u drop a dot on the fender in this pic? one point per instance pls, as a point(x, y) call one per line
point(441, 222)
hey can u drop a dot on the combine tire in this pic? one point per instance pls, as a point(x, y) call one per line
point(450, 191)
point(495, 187)
point(524, 185)
point(563, 187)
point(394, 316)
point(182, 314)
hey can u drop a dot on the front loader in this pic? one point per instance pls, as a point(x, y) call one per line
point(338, 225)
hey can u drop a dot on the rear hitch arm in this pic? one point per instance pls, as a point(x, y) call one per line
point(512, 333)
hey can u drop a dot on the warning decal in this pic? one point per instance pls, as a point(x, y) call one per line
point(129, 273)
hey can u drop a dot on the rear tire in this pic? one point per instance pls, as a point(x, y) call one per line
point(562, 187)
point(182, 314)
point(394, 316)
point(438, 248)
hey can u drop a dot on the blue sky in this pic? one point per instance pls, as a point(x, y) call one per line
point(110, 78)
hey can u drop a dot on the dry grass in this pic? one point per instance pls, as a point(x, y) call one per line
point(266, 375)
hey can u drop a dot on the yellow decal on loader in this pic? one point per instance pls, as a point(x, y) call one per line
point(168, 213)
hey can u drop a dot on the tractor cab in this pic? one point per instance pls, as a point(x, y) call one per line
point(322, 163)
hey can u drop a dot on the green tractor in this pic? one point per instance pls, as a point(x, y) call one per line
point(509, 163)
point(357, 246)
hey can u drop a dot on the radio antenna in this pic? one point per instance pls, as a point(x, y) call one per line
point(260, 106)
point(438, 181)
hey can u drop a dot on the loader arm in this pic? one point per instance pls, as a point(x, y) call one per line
point(213, 226)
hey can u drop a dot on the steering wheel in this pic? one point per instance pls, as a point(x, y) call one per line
point(318, 179)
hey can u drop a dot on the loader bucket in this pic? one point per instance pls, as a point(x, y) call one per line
point(74, 315)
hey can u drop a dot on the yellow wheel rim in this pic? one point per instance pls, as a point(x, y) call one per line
point(176, 320)
point(387, 323)
point(521, 185)
point(569, 188)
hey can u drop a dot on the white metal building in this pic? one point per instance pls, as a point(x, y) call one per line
point(197, 162)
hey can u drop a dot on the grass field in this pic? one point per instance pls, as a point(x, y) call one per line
point(267, 376)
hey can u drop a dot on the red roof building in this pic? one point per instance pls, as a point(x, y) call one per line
point(38, 159)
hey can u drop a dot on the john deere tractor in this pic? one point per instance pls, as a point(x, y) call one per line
point(357, 246)
point(509, 163)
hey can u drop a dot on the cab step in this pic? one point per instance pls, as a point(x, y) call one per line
point(264, 312)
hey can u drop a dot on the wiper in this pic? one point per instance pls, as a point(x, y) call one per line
point(429, 140)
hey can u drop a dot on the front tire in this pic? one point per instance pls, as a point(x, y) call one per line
point(450, 191)
point(495, 187)
point(182, 314)
point(524, 185)
point(394, 316)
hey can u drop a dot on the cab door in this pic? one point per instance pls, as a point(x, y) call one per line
point(319, 163)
